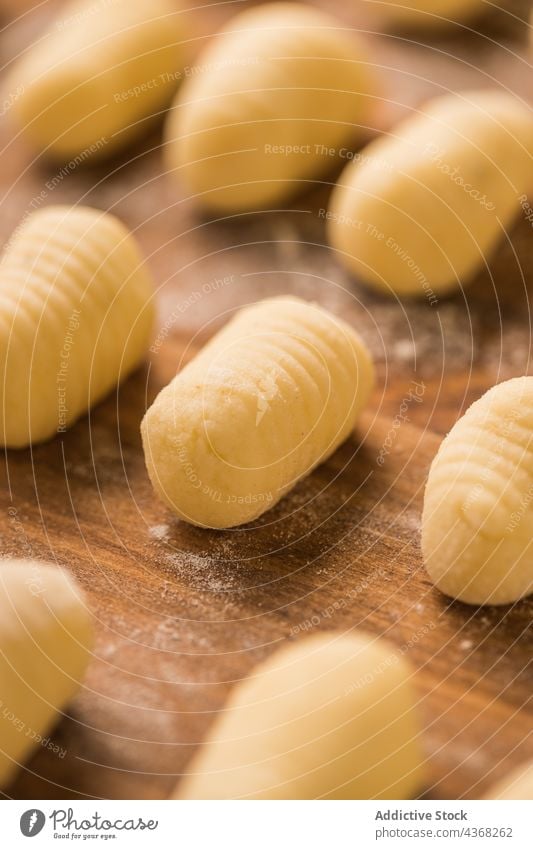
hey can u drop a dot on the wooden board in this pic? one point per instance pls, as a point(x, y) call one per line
point(181, 613)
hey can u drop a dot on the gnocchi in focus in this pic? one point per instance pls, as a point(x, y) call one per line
point(45, 645)
point(331, 717)
point(98, 77)
point(478, 504)
point(425, 207)
point(271, 396)
point(279, 88)
point(76, 316)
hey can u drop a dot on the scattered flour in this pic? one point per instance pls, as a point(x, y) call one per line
point(160, 532)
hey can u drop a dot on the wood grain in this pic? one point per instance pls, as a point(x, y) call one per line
point(181, 613)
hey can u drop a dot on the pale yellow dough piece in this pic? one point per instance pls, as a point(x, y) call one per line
point(428, 14)
point(75, 317)
point(423, 209)
point(272, 101)
point(516, 785)
point(329, 717)
point(478, 504)
point(99, 75)
point(45, 645)
point(268, 399)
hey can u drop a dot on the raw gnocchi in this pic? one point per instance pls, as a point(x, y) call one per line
point(99, 76)
point(268, 399)
point(331, 717)
point(517, 785)
point(75, 318)
point(273, 98)
point(478, 504)
point(424, 208)
point(45, 646)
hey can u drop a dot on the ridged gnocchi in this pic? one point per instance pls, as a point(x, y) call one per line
point(271, 396)
point(76, 316)
point(45, 646)
point(478, 504)
point(517, 785)
point(330, 717)
point(274, 96)
point(424, 208)
point(99, 76)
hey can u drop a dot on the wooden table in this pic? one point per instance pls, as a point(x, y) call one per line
point(181, 613)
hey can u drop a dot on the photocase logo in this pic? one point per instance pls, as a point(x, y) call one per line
point(32, 822)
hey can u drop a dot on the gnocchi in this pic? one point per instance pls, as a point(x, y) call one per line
point(425, 207)
point(99, 76)
point(330, 717)
point(268, 399)
point(478, 504)
point(45, 646)
point(75, 317)
point(275, 95)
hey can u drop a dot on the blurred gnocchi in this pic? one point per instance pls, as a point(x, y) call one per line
point(45, 643)
point(329, 717)
point(273, 97)
point(424, 208)
point(99, 76)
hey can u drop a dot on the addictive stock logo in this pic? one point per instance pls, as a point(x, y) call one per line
point(32, 822)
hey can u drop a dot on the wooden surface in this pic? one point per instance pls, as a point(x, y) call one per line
point(183, 613)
